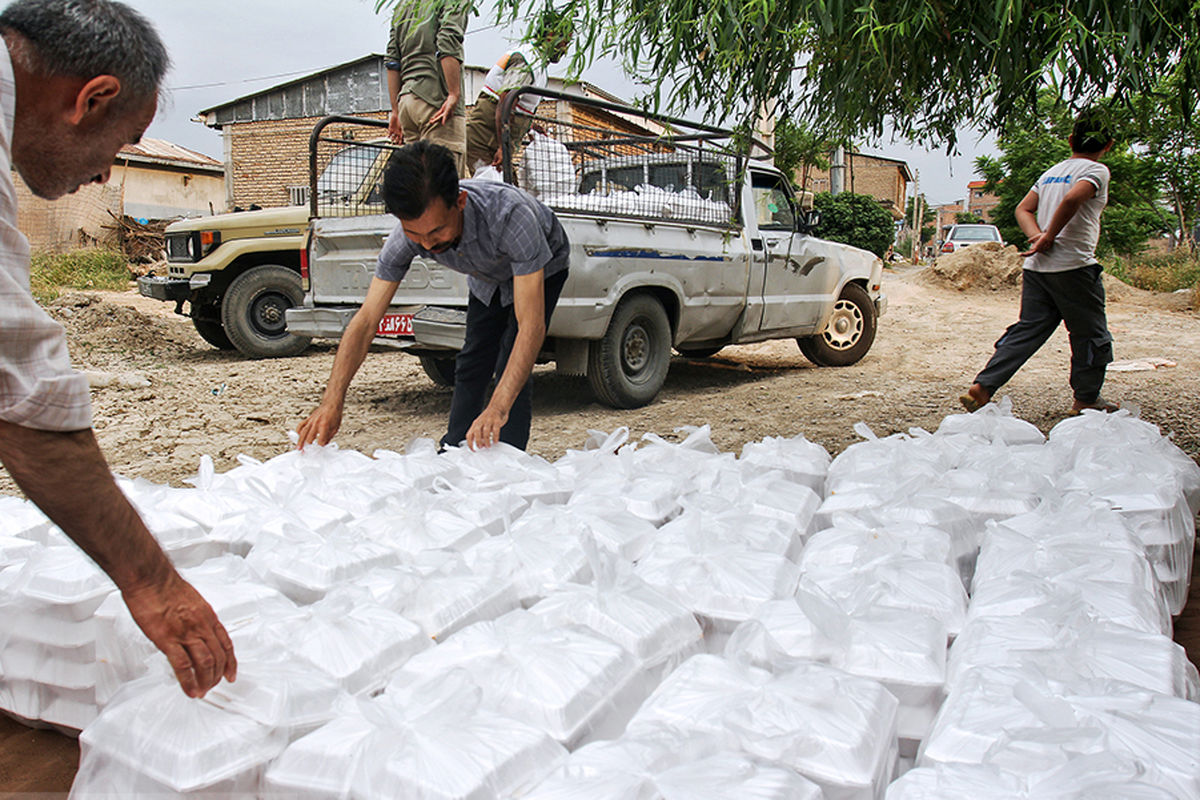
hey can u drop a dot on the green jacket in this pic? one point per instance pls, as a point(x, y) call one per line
point(418, 44)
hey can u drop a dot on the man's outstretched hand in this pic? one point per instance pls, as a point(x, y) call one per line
point(320, 427)
point(184, 627)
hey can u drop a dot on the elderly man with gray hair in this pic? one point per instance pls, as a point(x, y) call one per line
point(79, 79)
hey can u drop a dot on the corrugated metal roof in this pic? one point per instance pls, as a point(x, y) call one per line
point(159, 150)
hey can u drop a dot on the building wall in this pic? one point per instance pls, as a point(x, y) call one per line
point(270, 157)
point(74, 220)
point(166, 194)
point(980, 202)
point(883, 180)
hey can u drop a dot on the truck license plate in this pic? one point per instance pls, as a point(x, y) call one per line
point(395, 325)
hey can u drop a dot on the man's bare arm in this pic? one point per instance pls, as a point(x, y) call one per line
point(1026, 214)
point(1079, 194)
point(66, 476)
point(395, 132)
point(323, 424)
point(529, 307)
point(452, 72)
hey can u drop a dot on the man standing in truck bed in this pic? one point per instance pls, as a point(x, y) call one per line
point(516, 68)
point(424, 72)
point(514, 251)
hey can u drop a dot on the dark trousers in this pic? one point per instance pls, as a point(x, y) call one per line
point(1075, 297)
point(491, 332)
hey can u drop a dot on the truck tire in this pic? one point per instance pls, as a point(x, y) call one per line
point(628, 366)
point(439, 370)
point(213, 333)
point(252, 312)
point(848, 335)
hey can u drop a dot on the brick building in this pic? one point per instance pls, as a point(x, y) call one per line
point(980, 202)
point(885, 179)
point(266, 133)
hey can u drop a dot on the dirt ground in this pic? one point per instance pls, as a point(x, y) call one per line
point(930, 343)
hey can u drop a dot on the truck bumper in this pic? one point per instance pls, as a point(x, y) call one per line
point(880, 305)
point(164, 288)
point(323, 323)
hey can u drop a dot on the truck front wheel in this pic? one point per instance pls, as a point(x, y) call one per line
point(848, 335)
point(628, 366)
point(252, 312)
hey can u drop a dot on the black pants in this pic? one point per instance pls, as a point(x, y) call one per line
point(491, 332)
point(1075, 297)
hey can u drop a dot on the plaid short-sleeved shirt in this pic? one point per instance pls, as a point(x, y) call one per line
point(38, 388)
point(506, 232)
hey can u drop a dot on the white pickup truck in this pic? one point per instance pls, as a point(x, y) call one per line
point(675, 243)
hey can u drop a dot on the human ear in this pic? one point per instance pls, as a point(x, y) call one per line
point(462, 199)
point(94, 98)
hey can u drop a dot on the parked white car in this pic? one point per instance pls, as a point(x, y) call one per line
point(968, 234)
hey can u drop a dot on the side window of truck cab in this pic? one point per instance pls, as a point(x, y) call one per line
point(773, 204)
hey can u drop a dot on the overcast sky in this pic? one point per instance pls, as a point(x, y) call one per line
point(223, 49)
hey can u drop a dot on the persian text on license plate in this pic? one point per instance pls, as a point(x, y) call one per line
point(395, 325)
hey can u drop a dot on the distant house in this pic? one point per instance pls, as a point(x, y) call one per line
point(885, 179)
point(979, 202)
point(266, 133)
point(152, 180)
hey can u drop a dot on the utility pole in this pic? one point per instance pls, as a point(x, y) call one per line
point(916, 220)
point(837, 171)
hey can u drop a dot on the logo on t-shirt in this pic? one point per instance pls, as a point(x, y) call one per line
point(1053, 179)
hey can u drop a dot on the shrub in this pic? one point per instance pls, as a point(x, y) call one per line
point(89, 268)
point(1166, 272)
point(855, 219)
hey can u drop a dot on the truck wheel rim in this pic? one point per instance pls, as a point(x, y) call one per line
point(845, 326)
point(635, 349)
point(267, 314)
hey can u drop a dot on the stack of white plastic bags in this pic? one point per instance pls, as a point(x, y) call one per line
point(1064, 681)
point(655, 620)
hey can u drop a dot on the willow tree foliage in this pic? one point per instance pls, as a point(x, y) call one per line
point(927, 67)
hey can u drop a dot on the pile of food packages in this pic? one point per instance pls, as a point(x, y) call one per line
point(980, 612)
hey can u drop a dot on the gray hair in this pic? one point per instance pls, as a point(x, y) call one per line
point(86, 38)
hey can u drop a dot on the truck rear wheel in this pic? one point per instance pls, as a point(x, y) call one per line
point(627, 368)
point(848, 335)
point(439, 370)
point(213, 333)
point(252, 312)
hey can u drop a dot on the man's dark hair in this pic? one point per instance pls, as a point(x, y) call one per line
point(86, 38)
point(1092, 131)
point(415, 174)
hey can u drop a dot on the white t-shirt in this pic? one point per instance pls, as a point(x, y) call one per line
point(1075, 245)
point(513, 70)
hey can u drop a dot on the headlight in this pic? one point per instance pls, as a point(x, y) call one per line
point(192, 246)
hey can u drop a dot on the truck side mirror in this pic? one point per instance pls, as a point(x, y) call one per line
point(808, 221)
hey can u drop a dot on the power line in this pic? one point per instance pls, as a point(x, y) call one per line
point(286, 74)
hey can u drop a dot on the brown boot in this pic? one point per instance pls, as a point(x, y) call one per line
point(1100, 404)
point(976, 398)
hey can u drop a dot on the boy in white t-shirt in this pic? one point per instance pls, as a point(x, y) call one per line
point(1061, 281)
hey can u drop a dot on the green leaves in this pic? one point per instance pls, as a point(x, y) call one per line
point(926, 67)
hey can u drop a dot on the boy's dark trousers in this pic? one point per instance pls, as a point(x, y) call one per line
point(1075, 297)
point(491, 332)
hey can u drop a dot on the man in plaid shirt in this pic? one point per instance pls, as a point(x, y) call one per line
point(79, 79)
point(514, 252)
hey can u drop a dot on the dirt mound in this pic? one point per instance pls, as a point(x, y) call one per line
point(988, 265)
point(94, 324)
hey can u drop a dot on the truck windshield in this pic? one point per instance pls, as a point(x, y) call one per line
point(345, 174)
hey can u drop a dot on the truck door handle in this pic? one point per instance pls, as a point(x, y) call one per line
point(773, 242)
